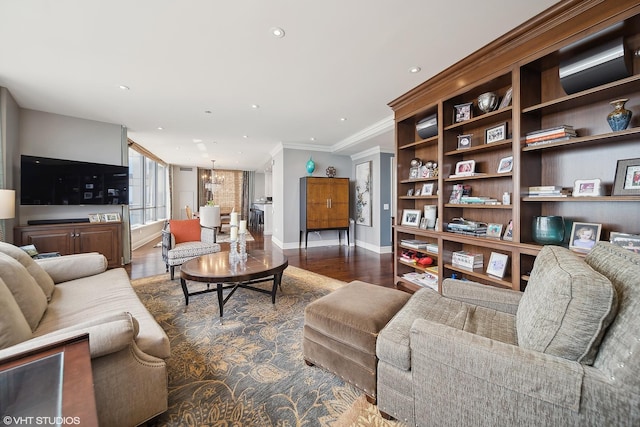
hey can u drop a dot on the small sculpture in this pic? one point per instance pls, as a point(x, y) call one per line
point(331, 172)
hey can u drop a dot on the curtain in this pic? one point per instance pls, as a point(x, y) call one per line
point(248, 178)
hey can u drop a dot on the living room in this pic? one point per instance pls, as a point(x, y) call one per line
point(467, 359)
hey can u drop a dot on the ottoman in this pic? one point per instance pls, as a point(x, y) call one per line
point(341, 328)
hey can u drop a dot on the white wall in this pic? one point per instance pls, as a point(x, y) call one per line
point(185, 190)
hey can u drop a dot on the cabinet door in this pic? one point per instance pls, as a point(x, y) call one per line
point(338, 212)
point(49, 240)
point(102, 239)
point(318, 195)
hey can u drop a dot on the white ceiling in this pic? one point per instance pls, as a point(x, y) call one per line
point(339, 59)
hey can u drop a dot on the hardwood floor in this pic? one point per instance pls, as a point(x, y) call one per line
point(339, 262)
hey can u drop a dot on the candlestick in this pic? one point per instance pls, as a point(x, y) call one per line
point(243, 226)
point(234, 218)
point(234, 232)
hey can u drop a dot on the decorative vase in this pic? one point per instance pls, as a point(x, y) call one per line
point(311, 166)
point(487, 102)
point(548, 230)
point(620, 117)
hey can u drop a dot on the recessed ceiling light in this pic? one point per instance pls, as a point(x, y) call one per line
point(123, 87)
point(415, 69)
point(245, 136)
point(160, 128)
point(277, 32)
point(255, 106)
point(312, 139)
point(196, 140)
point(207, 111)
point(343, 119)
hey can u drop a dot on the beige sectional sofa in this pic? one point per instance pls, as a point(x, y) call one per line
point(48, 300)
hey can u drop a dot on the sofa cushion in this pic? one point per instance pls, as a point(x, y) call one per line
point(14, 328)
point(42, 278)
point(185, 230)
point(24, 288)
point(566, 306)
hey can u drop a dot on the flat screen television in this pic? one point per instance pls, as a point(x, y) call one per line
point(46, 181)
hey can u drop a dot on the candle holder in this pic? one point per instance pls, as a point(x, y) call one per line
point(242, 245)
point(233, 245)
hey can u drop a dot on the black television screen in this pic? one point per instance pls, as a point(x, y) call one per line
point(47, 181)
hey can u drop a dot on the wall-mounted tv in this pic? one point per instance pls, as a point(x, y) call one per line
point(46, 181)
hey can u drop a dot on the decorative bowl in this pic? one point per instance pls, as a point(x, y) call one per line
point(487, 102)
point(548, 230)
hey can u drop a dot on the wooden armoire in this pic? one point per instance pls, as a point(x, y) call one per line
point(324, 205)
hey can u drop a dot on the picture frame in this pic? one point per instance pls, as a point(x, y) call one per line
point(463, 112)
point(627, 241)
point(465, 168)
point(423, 223)
point(110, 217)
point(88, 195)
point(95, 217)
point(627, 178)
point(464, 141)
point(414, 173)
point(411, 217)
point(497, 264)
point(495, 133)
point(417, 192)
point(427, 189)
point(587, 188)
point(505, 165)
point(363, 194)
point(494, 230)
point(584, 236)
point(410, 192)
point(506, 100)
point(508, 232)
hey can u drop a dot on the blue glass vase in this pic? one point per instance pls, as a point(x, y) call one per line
point(311, 166)
point(620, 117)
point(548, 230)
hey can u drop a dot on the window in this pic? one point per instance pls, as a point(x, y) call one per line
point(147, 189)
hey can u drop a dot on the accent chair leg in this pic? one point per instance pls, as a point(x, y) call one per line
point(172, 271)
point(308, 363)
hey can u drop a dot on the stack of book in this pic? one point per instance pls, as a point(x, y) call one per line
point(548, 191)
point(546, 136)
point(466, 259)
point(478, 200)
point(468, 227)
point(432, 247)
point(414, 243)
point(425, 279)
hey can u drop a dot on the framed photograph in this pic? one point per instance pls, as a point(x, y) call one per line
point(465, 168)
point(627, 182)
point(88, 195)
point(456, 194)
point(497, 264)
point(410, 192)
point(505, 165)
point(88, 186)
point(584, 236)
point(94, 218)
point(427, 189)
point(627, 241)
point(496, 133)
point(363, 194)
point(414, 173)
point(494, 230)
point(423, 223)
point(507, 98)
point(417, 192)
point(464, 141)
point(508, 232)
point(463, 112)
point(111, 217)
point(587, 188)
point(411, 217)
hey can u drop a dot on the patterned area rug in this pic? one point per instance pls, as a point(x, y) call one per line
point(249, 371)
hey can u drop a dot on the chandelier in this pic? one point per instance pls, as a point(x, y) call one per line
point(214, 180)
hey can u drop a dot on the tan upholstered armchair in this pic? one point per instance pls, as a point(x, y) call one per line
point(183, 240)
point(563, 353)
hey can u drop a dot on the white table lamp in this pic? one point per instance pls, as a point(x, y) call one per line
point(7, 207)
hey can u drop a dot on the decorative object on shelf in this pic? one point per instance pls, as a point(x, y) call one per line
point(427, 127)
point(496, 133)
point(497, 264)
point(584, 236)
point(587, 188)
point(417, 192)
point(430, 213)
point(494, 230)
point(429, 169)
point(110, 217)
point(506, 100)
point(465, 168)
point(620, 117)
point(416, 162)
point(311, 166)
point(464, 141)
point(427, 189)
point(627, 241)
point(508, 232)
point(627, 181)
point(463, 112)
point(548, 230)
point(505, 165)
point(506, 198)
point(363, 194)
point(94, 217)
point(410, 192)
point(411, 217)
point(414, 170)
point(456, 194)
point(487, 102)
point(331, 172)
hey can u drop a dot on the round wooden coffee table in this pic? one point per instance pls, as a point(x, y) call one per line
point(260, 266)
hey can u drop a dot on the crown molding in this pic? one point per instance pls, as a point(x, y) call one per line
point(385, 125)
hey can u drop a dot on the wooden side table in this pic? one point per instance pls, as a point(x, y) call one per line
point(51, 385)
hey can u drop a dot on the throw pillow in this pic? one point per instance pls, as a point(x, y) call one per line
point(14, 328)
point(29, 296)
point(566, 306)
point(42, 278)
point(185, 230)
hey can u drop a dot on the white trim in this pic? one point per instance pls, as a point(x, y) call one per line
point(385, 125)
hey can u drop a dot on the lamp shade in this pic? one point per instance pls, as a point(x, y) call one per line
point(210, 216)
point(7, 204)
